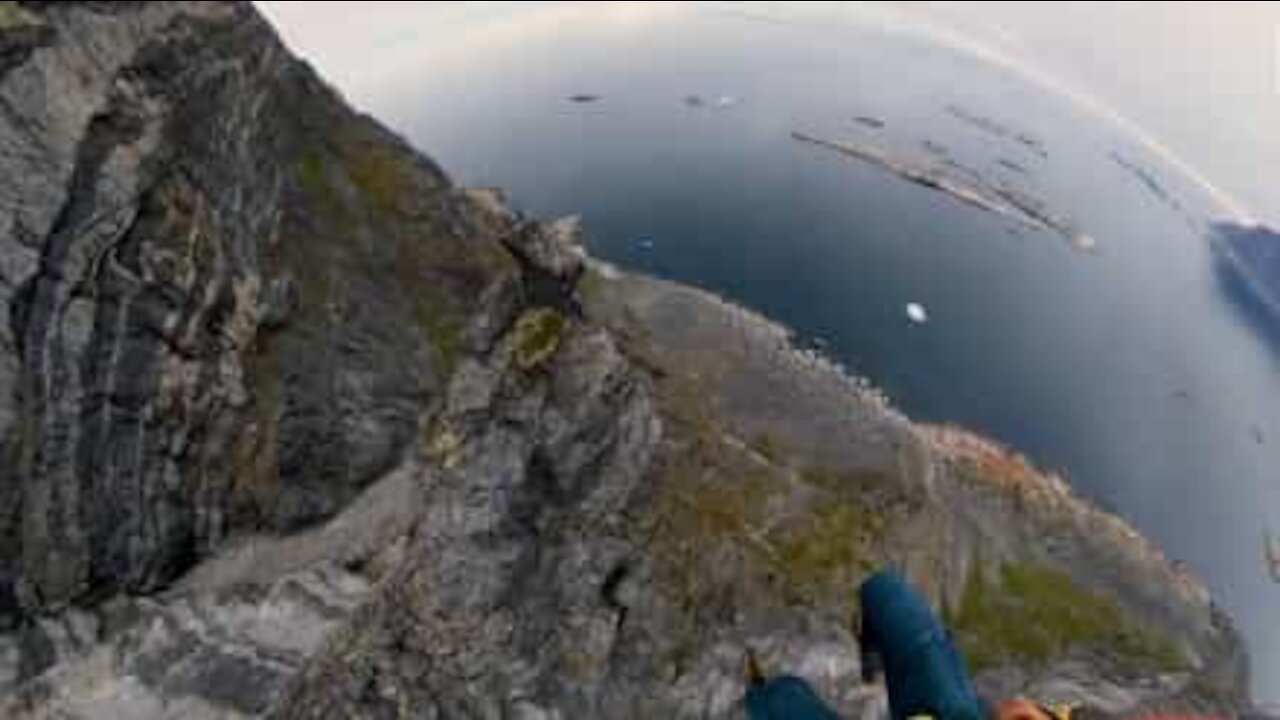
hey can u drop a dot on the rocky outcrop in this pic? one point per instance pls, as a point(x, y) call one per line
point(296, 428)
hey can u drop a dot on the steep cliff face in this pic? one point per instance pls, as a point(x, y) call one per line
point(229, 297)
point(294, 427)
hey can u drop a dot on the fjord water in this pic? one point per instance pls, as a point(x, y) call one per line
point(1129, 369)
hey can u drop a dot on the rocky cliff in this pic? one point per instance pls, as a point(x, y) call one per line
point(294, 427)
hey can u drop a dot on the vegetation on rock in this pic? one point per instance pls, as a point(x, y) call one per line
point(537, 336)
point(1030, 615)
point(12, 15)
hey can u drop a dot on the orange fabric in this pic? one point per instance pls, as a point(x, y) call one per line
point(1019, 709)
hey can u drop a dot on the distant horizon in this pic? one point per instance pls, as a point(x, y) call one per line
point(1059, 47)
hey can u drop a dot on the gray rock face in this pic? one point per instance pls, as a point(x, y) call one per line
point(200, 656)
point(228, 296)
point(294, 428)
point(223, 642)
point(521, 552)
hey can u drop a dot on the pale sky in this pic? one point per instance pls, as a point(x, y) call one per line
point(1199, 83)
point(1200, 79)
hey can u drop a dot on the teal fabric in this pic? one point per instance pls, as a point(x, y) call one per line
point(785, 698)
point(923, 672)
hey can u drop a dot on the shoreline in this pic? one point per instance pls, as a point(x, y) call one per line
point(1009, 468)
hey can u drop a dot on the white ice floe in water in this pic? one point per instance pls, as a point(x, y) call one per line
point(1084, 242)
point(916, 313)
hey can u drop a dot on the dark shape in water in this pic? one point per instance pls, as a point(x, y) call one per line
point(981, 122)
point(869, 121)
point(997, 129)
point(1033, 144)
point(1011, 165)
point(1271, 551)
point(694, 101)
point(1252, 253)
point(1143, 176)
point(1007, 202)
point(1147, 178)
point(970, 174)
point(583, 98)
point(1246, 262)
point(933, 147)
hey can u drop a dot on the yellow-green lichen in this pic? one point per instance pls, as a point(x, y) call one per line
point(12, 15)
point(537, 336)
point(444, 446)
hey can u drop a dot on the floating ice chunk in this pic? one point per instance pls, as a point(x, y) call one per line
point(1085, 243)
point(916, 313)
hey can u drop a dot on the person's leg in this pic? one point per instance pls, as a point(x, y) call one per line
point(923, 672)
point(785, 697)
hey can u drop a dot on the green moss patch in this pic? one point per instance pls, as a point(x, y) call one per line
point(537, 336)
point(383, 176)
point(311, 174)
point(860, 483)
point(827, 552)
point(706, 538)
point(728, 526)
point(1031, 615)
